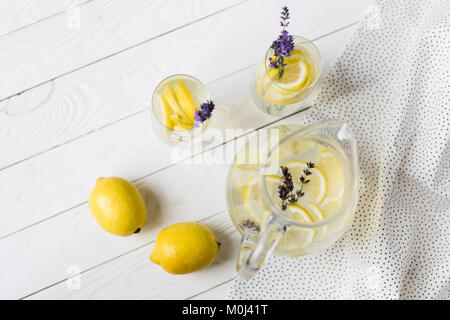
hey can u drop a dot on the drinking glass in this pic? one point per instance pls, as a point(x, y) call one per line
point(173, 136)
point(278, 99)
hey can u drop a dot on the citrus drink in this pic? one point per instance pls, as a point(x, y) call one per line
point(174, 103)
point(253, 189)
point(281, 92)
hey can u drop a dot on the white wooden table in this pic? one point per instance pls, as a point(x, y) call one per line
point(75, 88)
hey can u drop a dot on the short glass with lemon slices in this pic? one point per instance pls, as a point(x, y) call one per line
point(280, 94)
point(174, 103)
point(318, 218)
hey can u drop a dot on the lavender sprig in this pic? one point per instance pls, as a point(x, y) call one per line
point(286, 189)
point(283, 45)
point(204, 113)
point(304, 178)
point(284, 17)
point(250, 225)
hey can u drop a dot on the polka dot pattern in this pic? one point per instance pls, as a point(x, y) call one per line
point(392, 85)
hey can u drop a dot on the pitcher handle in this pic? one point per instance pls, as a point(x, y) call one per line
point(253, 251)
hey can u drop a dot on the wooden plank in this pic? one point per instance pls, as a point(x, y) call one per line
point(100, 28)
point(63, 177)
point(218, 292)
point(72, 106)
point(18, 14)
point(134, 277)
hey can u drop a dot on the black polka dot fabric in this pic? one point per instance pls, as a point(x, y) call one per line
point(392, 85)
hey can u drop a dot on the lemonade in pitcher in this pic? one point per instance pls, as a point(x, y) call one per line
point(304, 187)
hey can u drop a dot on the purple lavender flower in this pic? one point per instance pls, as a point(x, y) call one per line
point(283, 45)
point(203, 114)
point(284, 16)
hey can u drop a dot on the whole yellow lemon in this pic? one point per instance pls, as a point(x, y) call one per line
point(185, 247)
point(117, 206)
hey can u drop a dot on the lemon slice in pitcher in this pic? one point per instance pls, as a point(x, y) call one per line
point(254, 197)
point(317, 215)
point(297, 239)
point(316, 188)
point(330, 166)
point(245, 166)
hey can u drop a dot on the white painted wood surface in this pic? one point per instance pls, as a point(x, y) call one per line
point(18, 14)
point(75, 106)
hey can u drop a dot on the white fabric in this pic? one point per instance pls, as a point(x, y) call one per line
point(392, 84)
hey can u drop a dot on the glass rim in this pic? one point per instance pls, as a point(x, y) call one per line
point(354, 185)
point(182, 76)
point(320, 64)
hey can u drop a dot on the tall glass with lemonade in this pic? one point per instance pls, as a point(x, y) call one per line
point(293, 192)
point(281, 93)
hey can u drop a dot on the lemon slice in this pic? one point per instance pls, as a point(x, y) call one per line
point(317, 215)
point(174, 118)
point(242, 174)
point(297, 239)
point(172, 102)
point(316, 189)
point(296, 56)
point(297, 75)
point(185, 100)
point(296, 72)
point(330, 166)
point(245, 167)
point(294, 77)
point(254, 198)
point(334, 202)
point(169, 120)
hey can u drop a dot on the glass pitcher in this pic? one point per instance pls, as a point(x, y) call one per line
point(292, 190)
